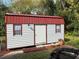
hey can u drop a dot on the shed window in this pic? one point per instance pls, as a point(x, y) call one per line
point(17, 30)
point(58, 28)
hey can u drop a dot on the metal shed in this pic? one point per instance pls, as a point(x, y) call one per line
point(31, 30)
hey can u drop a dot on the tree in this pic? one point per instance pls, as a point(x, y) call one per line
point(69, 10)
point(26, 6)
point(3, 10)
point(50, 6)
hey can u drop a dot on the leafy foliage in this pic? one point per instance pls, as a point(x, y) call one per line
point(28, 6)
point(3, 9)
point(69, 10)
point(51, 7)
point(71, 39)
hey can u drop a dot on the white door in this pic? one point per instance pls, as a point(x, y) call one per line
point(40, 34)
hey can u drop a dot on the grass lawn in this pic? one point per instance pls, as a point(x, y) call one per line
point(32, 55)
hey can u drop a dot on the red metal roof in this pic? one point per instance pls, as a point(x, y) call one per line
point(32, 19)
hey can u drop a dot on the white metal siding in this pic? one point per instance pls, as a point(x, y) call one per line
point(40, 34)
point(52, 36)
point(26, 39)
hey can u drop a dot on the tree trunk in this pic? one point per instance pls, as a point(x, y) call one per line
point(62, 3)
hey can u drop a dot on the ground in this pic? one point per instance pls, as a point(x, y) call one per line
point(32, 55)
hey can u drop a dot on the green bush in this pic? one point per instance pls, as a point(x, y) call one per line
point(74, 43)
point(72, 39)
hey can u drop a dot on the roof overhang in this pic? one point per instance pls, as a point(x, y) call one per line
point(32, 19)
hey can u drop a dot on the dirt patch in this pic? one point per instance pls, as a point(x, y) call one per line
point(4, 52)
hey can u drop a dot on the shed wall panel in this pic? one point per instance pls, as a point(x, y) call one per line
point(52, 36)
point(15, 41)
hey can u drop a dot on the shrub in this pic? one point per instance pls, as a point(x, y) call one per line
point(74, 43)
point(72, 39)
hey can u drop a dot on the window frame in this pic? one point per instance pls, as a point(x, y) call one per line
point(15, 30)
point(58, 30)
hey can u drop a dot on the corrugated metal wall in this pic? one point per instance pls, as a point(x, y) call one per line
point(15, 41)
point(52, 36)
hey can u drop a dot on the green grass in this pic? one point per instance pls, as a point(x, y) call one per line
point(32, 55)
point(72, 39)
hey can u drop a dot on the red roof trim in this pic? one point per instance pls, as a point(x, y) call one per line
point(32, 19)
